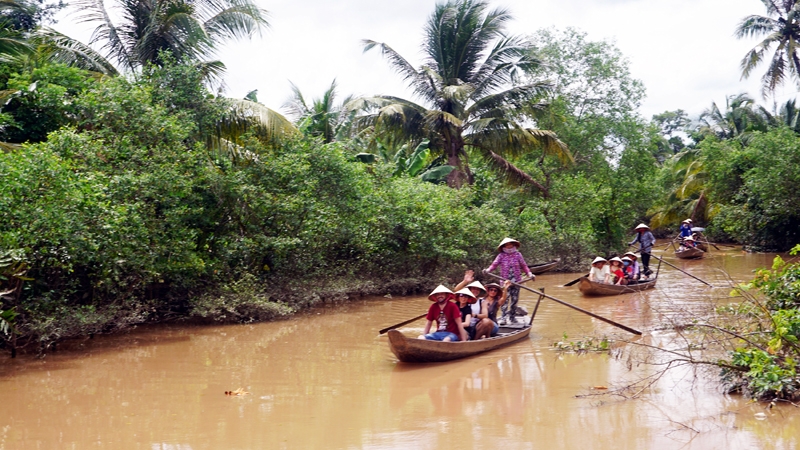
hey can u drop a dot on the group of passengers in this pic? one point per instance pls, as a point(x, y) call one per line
point(619, 271)
point(470, 312)
point(626, 270)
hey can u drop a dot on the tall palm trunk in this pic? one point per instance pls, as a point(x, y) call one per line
point(455, 157)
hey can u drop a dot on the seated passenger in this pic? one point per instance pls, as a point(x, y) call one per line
point(599, 271)
point(465, 299)
point(446, 315)
point(627, 268)
point(634, 264)
point(687, 243)
point(480, 318)
point(495, 299)
point(615, 269)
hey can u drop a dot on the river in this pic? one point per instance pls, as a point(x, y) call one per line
point(325, 380)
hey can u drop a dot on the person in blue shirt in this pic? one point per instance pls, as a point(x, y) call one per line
point(686, 228)
point(646, 240)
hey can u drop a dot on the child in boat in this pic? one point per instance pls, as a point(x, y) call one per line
point(615, 268)
point(636, 273)
point(599, 272)
point(512, 264)
point(446, 315)
point(495, 299)
point(480, 317)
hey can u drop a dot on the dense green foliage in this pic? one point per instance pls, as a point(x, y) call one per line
point(765, 365)
point(149, 199)
point(125, 217)
point(41, 101)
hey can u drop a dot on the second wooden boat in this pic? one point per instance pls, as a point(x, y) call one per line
point(689, 253)
point(422, 351)
point(536, 269)
point(594, 288)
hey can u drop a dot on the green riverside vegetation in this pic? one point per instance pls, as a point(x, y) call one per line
point(133, 194)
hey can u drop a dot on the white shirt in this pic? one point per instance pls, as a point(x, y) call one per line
point(598, 275)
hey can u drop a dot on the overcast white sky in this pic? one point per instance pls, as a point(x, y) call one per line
point(683, 50)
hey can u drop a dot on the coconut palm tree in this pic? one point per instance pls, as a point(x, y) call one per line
point(188, 30)
point(322, 118)
point(472, 99)
point(689, 198)
point(781, 29)
point(738, 120)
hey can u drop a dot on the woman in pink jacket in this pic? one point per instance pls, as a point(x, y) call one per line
point(511, 264)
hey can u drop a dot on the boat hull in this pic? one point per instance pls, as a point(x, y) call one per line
point(542, 268)
point(593, 288)
point(690, 253)
point(412, 350)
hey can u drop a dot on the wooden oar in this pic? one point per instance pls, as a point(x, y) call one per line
point(397, 325)
point(678, 268)
point(574, 281)
point(542, 294)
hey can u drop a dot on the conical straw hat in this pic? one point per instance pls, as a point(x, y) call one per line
point(441, 289)
point(599, 259)
point(468, 293)
point(477, 284)
point(641, 225)
point(507, 241)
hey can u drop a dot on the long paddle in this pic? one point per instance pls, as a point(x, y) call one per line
point(678, 268)
point(574, 281)
point(398, 325)
point(542, 294)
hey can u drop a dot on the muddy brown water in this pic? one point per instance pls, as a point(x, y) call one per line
point(326, 380)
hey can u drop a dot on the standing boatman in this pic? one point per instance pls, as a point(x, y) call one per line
point(646, 240)
point(511, 264)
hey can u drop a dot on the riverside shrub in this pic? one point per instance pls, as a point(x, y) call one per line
point(767, 362)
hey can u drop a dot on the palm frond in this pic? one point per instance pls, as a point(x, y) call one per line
point(418, 81)
point(212, 73)
point(239, 20)
point(752, 26)
point(511, 174)
point(93, 11)
point(60, 48)
point(507, 138)
point(516, 97)
point(245, 117)
point(12, 43)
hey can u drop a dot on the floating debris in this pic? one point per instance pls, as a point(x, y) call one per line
point(237, 392)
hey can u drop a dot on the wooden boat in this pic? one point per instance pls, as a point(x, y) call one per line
point(422, 351)
point(536, 269)
point(594, 288)
point(689, 253)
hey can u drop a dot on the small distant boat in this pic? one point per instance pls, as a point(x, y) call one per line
point(536, 269)
point(690, 253)
point(413, 350)
point(594, 288)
